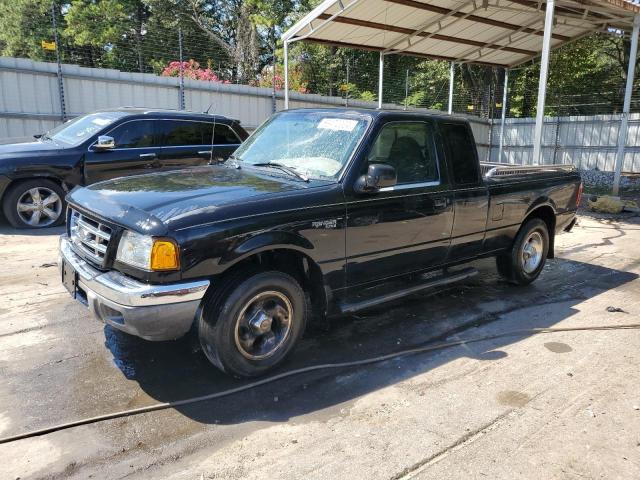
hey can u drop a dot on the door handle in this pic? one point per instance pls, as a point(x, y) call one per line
point(148, 156)
point(205, 152)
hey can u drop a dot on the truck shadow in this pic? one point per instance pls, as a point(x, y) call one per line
point(170, 371)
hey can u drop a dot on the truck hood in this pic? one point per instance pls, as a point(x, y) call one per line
point(159, 202)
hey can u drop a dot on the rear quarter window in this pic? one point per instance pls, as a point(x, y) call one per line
point(461, 153)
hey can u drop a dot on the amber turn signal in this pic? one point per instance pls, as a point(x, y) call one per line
point(165, 255)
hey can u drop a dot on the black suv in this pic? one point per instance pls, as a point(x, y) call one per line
point(35, 176)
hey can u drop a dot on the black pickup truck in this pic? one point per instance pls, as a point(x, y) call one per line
point(35, 175)
point(323, 210)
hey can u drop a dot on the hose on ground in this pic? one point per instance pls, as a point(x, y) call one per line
point(299, 371)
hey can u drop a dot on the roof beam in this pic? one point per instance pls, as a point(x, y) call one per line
point(473, 18)
point(463, 56)
point(438, 21)
point(327, 21)
point(336, 43)
point(407, 31)
point(576, 10)
point(553, 47)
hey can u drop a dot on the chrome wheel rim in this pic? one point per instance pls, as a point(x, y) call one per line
point(532, 252)
point(39, 207)
point(263, 325)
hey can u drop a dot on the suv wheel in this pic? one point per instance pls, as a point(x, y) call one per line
point(252, 322)
point(523, 264)
point(34, 204)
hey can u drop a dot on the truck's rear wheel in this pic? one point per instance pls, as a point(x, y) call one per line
point(523, 264)
point(37, 203)
point(252, 322)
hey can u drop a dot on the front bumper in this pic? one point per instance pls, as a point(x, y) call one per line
point(153, 312)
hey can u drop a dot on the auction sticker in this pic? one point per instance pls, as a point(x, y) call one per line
point(343, 124)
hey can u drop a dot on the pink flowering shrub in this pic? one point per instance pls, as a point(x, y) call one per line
point(192, 70)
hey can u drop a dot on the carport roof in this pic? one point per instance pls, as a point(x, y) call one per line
point(492, 32)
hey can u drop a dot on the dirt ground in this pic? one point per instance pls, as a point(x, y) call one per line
point(551, 405)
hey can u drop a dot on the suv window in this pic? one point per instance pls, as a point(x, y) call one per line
point(175, 133)
point(409, 148)
point(225, 136)
point(461, 153)
point(133, 134)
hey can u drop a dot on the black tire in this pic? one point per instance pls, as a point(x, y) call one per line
point(519, 266)
point(20, 191)
point(222, 327)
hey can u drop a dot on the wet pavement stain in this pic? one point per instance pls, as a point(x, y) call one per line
point(557, 347)
point(512, 398)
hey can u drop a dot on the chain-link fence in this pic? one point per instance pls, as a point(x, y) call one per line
point(145, 39)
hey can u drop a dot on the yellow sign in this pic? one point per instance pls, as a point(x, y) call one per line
point(48, 45)
point(470, 107)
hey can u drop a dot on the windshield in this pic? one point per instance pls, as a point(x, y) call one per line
point(76, 131)
point(315, 144)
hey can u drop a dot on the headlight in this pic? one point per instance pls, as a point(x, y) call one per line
point(148, 253)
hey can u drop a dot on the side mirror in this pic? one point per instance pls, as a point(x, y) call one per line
point(379, 175)
point(105, 142)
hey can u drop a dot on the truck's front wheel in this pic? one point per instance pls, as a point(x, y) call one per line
point(252, 321)
point(525, 261)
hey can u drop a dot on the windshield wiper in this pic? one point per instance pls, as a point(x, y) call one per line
point(284, 168)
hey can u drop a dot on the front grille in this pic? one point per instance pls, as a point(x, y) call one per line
point(90, 237)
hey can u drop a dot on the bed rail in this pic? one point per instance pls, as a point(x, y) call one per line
point(492, 170)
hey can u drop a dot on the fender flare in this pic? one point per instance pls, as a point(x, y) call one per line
point(13, 179)
point(544, 202)
point(540, 202)
point(272, 240)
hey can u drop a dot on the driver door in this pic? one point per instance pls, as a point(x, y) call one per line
point(136, 151)
point(405, 228)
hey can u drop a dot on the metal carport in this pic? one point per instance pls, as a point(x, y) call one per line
point(500, 33)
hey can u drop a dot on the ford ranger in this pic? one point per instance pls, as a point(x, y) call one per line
point(323, 210)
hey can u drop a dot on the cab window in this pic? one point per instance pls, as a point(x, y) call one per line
point(461, 153)
point(409, 148)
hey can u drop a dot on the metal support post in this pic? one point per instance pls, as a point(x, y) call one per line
point(503, 114)
point(624, 123)
point(274, 105)
point(451, 74)
point(380, 79)
point(286, 75)
point(181, 94)
point(63, 108)
point(542, 83)
point(406, 90)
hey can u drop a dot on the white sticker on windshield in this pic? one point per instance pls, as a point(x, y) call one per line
point(101, 121)
point(343, 124)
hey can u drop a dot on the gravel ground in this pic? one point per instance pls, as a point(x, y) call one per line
point(552, 405)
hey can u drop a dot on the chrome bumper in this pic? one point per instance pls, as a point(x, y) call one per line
point(153, 312)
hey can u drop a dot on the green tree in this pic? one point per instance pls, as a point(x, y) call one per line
point(24, 24)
